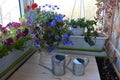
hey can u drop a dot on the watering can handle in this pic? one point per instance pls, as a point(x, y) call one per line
point(68, 59)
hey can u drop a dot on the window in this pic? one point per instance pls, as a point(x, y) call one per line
point(9, 11)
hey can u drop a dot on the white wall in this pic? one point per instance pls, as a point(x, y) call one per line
point(66, 7)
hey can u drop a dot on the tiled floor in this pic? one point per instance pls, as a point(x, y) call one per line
point(31, 70)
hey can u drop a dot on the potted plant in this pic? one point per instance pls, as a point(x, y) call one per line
point(92, 40)
point(47, 26)
point(14, 46)
point(78, 26)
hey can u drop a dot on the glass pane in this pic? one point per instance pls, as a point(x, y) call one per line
point(9, 11)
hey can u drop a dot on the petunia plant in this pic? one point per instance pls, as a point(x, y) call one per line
point(47, 26)
point(13, 36)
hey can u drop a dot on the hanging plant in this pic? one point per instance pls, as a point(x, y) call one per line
point(105, 12)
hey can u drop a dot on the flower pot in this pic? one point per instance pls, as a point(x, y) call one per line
point(79, 43)
point(78, 31)
point(14, 58)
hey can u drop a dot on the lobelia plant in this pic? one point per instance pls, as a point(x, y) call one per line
point(48, 28)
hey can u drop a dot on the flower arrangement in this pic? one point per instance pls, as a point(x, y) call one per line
point(13, 36)
point(47, 27)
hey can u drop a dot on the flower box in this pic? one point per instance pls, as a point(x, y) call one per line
point(78, 31)
point(79, 43)
point(13, 60)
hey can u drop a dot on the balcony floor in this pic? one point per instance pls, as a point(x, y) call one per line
point(31, 70)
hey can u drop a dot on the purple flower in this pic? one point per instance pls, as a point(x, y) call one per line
point(9, 42)
point(4, 30)
point(9, 24)
point(25, 32)
point(0, 37)
point(15, 24)
point(53, 23)
point(0, 25)
point(19, 35)
point(23, 23)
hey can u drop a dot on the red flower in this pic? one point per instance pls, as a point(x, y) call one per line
point(34, 5)
point(28, 7)
point(38, 10)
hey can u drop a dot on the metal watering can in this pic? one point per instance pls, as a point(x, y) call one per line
point(79, 65)
point(58, 64)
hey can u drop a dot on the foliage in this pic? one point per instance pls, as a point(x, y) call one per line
point(105, 8)
point(72, 23)
point(47, 27)
point(81, 22)
point(91, 34)
point(13, 36)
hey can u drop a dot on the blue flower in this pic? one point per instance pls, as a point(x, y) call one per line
point(46, 4)
point(44, 12)
point(49, 6)
point(51, 49)
point(59, 18)
point(53, 23)
point(70, 42)
point(57, 37)
point(64, 41)
point(32, 32)
point(36, 46)
point(49, 35)
point(60, 28)
point(65, 36)
point(55, 6)
point(30, 12)
point(58, 8)
point(39, 42)
point(71, 31)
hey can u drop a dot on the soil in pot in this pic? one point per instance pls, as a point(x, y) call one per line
point(106, 69)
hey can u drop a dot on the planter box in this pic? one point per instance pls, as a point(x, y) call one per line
point(8, 62)
point(78, 31)
point(79, 43)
